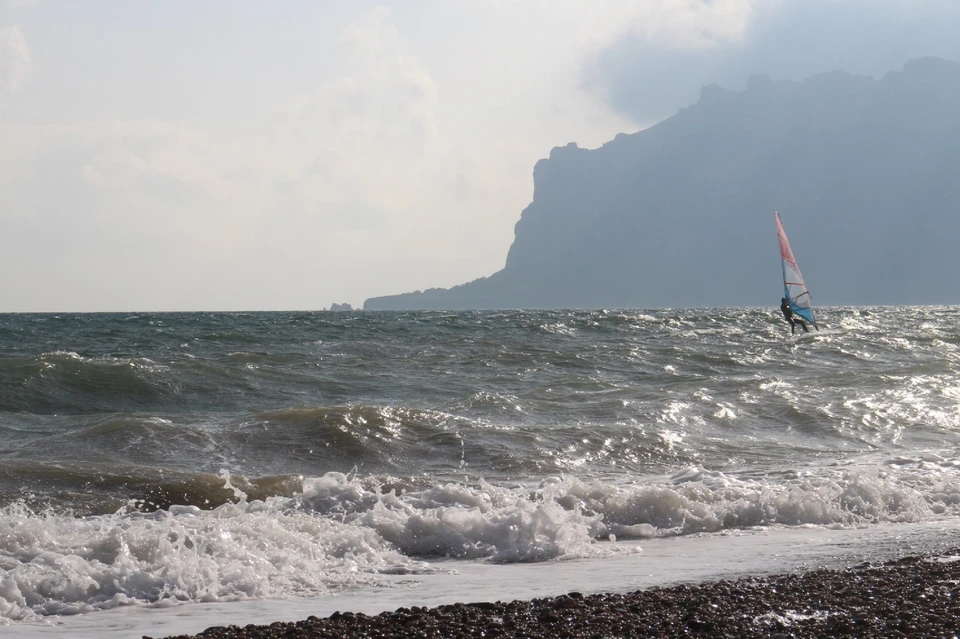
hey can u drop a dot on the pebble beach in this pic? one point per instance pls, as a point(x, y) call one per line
point(916, 596)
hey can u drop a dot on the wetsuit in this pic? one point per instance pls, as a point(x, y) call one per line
point(788, 313)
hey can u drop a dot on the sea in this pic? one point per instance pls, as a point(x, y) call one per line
point(166, 472)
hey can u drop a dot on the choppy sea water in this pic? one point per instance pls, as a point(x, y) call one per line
point(157, 460)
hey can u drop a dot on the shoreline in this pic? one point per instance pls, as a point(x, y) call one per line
point(912, 596)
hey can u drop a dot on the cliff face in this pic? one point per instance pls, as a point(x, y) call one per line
point(864, 173)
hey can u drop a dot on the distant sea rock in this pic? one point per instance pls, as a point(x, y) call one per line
point(863, 172)
point(341, 307)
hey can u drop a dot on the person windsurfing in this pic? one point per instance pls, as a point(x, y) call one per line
point(788, 313)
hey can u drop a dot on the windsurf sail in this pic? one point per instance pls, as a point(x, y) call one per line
point(793, 287)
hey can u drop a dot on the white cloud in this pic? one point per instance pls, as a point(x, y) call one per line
point(404, 164)
point(122, 215)
point(376, 164)
point(15, 58)
point(385, 96)
point(681, 24)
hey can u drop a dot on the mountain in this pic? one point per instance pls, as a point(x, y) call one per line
point(863, 171)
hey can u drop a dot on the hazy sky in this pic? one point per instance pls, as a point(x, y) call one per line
point(232, 154)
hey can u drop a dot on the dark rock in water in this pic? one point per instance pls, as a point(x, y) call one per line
point(681, 214)
point(341, 307)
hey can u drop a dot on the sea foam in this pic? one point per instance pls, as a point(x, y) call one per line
point(343, 532)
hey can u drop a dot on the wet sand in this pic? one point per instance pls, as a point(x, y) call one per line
point(909, 597)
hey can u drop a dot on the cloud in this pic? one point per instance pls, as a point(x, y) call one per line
point(649, 78)
point(157, 214)
point(685, 24)
point(367, 135)
point(677, 24)
point(15, 59)
point(354, 191)
point(398, 157)
point(383, 95)
point(134, 214)
point(376, 160)
point(606, 45)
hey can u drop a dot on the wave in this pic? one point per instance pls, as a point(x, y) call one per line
point(342, 531)
point(457, 520)
point(497, 436)
point(64, 381)
point(90, 489)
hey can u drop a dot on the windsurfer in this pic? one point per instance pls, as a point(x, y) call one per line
point(788, 313)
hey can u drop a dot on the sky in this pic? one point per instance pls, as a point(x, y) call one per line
point(241, 155)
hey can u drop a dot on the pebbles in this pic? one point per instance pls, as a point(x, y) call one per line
point(911, 597)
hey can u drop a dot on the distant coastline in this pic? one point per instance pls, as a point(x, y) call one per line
point(680, 215)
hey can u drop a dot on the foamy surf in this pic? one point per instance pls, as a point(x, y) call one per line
point(663, 562)
point(342, 533)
